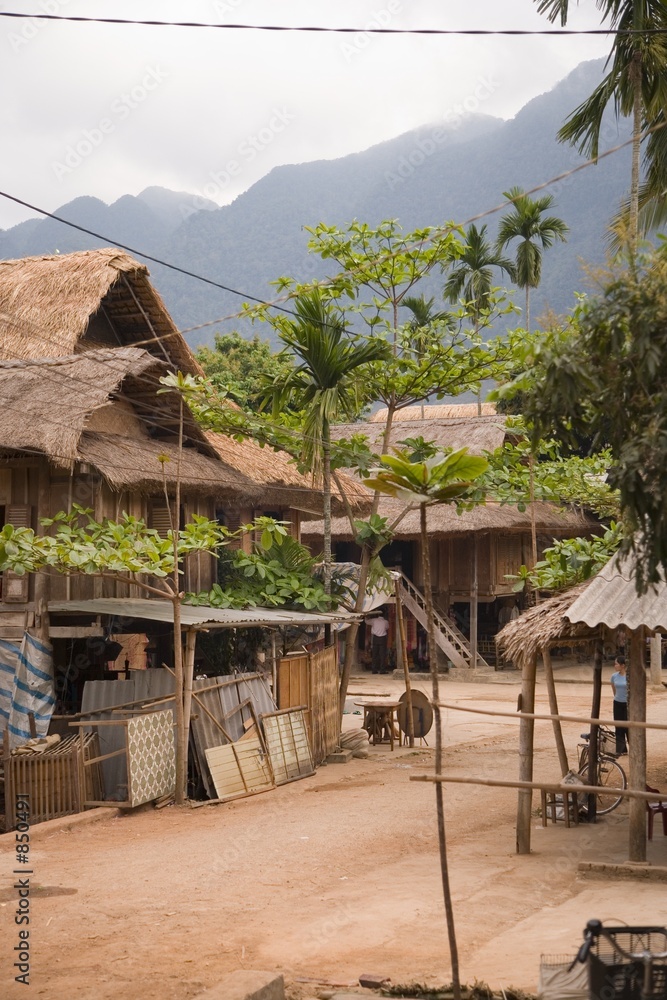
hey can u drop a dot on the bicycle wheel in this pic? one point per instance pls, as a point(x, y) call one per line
point(611, 777)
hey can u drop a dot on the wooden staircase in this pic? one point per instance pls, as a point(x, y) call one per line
point(448, 637)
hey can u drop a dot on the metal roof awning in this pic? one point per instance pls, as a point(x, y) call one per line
point(611, 599)
point(193, 616)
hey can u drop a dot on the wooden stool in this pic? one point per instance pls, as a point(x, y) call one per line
point(565, 800)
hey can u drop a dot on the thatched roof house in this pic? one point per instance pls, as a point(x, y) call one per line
point(65, 303)
point(477, 433)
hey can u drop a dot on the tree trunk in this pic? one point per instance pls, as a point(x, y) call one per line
point(553, 708)
point(474, 607)
point(188, 680)
point(636, 77)
point(656, 661)
point(410, 721)
point(637, 746)
point(528, 308)
point(326, 504)
point(181, 754)
point(526, 733)
point(440, 809)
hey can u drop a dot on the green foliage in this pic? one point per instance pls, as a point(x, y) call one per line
point(570, 561)
point(471, 276)
point(374, 533)
point(601, 382)
point(444, 478)
point(240, 367)
point(281, 574)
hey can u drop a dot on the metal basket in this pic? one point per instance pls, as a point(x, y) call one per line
point(614, 977)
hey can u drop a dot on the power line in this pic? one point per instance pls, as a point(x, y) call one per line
point(123, 246)
point(337, 30)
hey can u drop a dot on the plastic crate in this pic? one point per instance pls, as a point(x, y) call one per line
point(614, 977)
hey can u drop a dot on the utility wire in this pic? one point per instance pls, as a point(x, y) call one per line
point(337, 30)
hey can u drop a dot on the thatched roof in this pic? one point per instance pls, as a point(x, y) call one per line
point(545, 624)
point(59, 305)
point(45, 404)
point(134, 463)
point(477, 434)
point(444, 522)
point(438, 411)
point(281, 482)
point(101, 407)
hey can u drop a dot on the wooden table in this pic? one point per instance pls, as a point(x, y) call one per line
point(379, 721)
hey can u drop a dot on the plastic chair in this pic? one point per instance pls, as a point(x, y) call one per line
point(654, 809)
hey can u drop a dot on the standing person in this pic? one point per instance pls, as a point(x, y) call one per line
point(379, 632)
point(619, 685)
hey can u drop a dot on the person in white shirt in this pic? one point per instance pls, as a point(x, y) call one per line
point(379, 632)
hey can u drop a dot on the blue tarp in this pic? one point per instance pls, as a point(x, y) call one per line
point(26, 685)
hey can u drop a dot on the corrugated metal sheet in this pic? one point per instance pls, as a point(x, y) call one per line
point(611, 599)
point(192, 616)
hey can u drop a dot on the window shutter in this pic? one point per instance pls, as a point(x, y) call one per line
point(15, 588)
point(159, 517)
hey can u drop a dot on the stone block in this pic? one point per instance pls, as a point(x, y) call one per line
point(340, 757)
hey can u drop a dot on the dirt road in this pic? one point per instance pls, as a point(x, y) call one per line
point(328, 877)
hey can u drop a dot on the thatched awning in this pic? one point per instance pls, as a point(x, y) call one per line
point(134, 463)
point(45, 404)
point(281, 482)
point(544, 625)
point(437, 411)
point(444, 522)
point(46, 305)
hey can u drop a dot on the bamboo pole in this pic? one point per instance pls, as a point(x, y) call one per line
point(548, 718)
point(540, 786)
point(553, 705)
point(526, 733)
point(410, 721)
point(637, 745)
point(474, 606)
point(188, 678)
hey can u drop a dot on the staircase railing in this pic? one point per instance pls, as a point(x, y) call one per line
point(448, 637)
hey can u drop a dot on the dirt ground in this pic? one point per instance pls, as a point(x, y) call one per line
point(333, 876)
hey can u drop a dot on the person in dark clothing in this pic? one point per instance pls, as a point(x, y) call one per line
point(379, 633)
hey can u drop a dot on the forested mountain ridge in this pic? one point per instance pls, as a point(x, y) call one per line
point(426, 177)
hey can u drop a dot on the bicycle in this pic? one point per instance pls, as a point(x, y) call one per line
point(610, 775)
point(624, 963)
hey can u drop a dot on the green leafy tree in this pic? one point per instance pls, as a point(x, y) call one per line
point(471, 276)
point(326, 384)
point(241, 367)
point(442, 478)
point(601, 382)
point(636, 83)
point(524, 226)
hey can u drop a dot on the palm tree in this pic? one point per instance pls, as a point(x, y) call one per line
point(325, 385)
point(524, 223)
point(637, 84)
point(439, 479)
point(424, 320)
point(471, 276)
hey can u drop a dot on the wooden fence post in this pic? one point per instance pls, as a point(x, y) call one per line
point(526, 733)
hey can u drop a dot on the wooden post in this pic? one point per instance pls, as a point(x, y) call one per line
point(42, 579)
point(593, 739)
point(406, 669)
point(474, 607)
point(553, 708)
point(526, 733)
point(188, 677)
point(637, 746)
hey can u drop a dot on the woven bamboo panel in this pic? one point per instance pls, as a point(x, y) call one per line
point(51, 779)
point(239, 769)
point(287, 745)
point(324, 703)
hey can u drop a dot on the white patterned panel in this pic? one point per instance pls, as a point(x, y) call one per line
point(151, 757)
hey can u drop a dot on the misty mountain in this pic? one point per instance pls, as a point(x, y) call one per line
point(450, 171)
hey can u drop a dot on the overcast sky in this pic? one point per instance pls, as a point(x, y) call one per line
point(107, 110)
